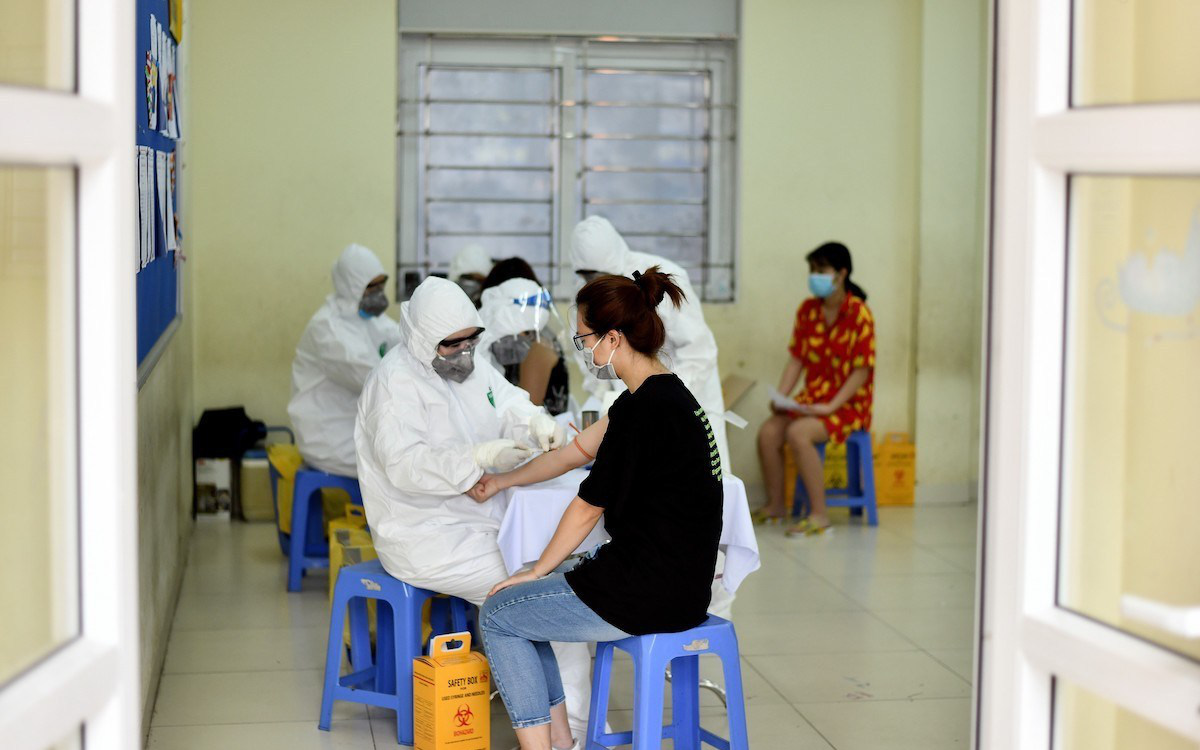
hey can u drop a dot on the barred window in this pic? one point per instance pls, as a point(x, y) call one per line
point(508, 143)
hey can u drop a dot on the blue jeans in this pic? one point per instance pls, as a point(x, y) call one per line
point(518, 624)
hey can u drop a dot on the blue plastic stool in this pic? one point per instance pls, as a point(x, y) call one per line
point(651, 655)
point(387, 680)
point(315, 545)
point(860, 481)
point(306, 516)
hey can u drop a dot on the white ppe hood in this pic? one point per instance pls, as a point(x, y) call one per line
point(596, 245)
point(353, 271)
point(471, 259)
point(437, 308)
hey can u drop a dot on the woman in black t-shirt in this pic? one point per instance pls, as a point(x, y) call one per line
point(656, 478)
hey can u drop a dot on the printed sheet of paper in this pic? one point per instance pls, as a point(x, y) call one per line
point(163, 56)
point(144, 215)
point(137, 191)
point(172, 244)
point(169, 91)
point(160, 181)
point(152, 79)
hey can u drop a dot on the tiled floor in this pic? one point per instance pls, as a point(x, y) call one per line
point(857, 640)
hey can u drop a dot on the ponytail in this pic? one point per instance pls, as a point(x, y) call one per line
point(617, 303)
point(655, 285)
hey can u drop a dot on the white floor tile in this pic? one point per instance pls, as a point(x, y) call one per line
point(252, 610)
point(835, 564)
point(245, 698)
point(895, 725)
point(924, 591)
point(962, 555)
point(790, 588)
point(933, 630)
point(343, 735)
point(815, 633)
point(830, 677)
point(961, 660)
point(254, 650)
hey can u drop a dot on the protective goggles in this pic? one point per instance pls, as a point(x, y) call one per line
point(462, 340)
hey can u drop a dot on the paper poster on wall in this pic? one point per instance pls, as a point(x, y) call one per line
point(138, 220)
point(152, 78)
point(160, 182)
point(172, 129)
point(149, 205)
point(141, 208)
point(172, 239)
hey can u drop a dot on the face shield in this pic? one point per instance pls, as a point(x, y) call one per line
point(544, 326)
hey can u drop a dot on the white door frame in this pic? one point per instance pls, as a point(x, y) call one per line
point(1039, 142)
point(93, 680)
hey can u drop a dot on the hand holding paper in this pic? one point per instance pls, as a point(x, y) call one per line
point(783, 403)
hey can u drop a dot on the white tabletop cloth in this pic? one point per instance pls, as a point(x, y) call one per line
point(533, 514)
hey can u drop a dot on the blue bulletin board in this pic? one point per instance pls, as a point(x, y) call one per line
point(156, 252)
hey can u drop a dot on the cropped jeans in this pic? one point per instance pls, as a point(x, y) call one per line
point(518, 624)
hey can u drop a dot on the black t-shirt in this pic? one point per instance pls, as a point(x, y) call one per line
point(657, 475)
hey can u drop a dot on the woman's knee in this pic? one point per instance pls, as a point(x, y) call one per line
point(490, 614)
point(808, 430)
point(771, 434)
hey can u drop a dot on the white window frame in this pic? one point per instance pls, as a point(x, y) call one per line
point(1040, 141)
point(92, 680)
point(569, 58)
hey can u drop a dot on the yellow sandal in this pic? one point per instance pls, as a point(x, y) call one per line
point(807, 528)
point(760, 517)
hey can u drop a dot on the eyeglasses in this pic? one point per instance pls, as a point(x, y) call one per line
point(450, 343)
point(579, 337)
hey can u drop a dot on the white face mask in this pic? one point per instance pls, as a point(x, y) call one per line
point(605, 371)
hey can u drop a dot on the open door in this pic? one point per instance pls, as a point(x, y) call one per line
point(68, 542)
point(1091, 578)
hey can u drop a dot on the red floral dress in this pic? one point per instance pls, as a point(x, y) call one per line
point(829, 355)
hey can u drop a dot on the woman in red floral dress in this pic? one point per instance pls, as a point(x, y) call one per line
point(833, 350)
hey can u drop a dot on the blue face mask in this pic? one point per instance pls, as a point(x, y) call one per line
point(820, 284)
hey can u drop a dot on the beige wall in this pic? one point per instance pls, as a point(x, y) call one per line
point(949, 268)
point(164, 500)
point(864, 122)
point(830, 115)
point(831, 138)
point(292, 157)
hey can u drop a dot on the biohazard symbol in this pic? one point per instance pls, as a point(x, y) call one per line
point(464, 716)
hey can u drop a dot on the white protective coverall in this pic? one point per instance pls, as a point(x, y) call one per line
point(690, 351)
point(504, 316)
point(337, 351)
point(415, 433)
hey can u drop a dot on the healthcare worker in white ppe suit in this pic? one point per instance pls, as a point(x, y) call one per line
point(469, 268)
point(343, 342)
point(690, 351)
point(432, 418)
